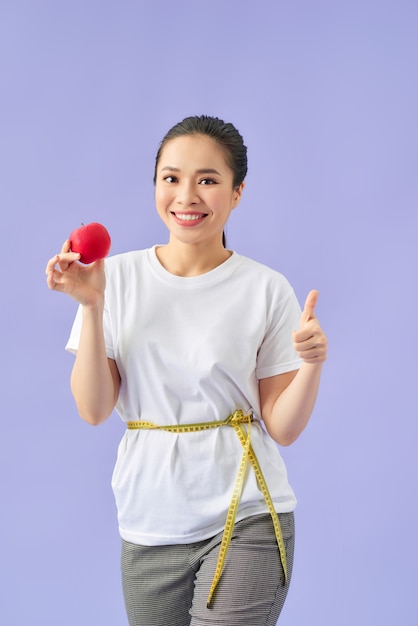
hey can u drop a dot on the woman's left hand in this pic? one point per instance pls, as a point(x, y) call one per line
point(310, 340)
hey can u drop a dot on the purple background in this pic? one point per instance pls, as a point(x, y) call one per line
point(325, 94)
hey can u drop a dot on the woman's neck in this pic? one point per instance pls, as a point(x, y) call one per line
point(191, 260)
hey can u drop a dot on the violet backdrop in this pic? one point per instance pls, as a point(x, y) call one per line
point(325, 94)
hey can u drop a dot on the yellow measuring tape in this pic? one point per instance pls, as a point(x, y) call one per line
point(236, 420)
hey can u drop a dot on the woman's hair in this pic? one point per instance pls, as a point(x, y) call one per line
point(226, 136)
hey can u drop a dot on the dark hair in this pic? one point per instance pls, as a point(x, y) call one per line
point(224, 133)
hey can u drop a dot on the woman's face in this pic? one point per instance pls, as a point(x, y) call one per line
point(194, 189)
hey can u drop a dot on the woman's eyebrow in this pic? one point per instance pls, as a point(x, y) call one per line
point(208, 170)
point(203, 170)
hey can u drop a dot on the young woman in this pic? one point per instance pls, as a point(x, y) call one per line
point(207, 357)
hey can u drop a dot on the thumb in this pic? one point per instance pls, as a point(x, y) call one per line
point(308, 312)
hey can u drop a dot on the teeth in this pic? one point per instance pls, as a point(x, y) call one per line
point(187, 217)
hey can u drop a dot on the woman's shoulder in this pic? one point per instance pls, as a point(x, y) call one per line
point(126, 266)
point(125, 259)
point(262, 271)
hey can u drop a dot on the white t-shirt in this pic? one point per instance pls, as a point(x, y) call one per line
point(191, 349)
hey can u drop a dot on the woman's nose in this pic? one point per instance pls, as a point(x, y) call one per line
point(187, 194)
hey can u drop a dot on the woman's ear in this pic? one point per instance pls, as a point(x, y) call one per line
point(238, 194)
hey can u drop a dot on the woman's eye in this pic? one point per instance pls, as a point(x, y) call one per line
point(170, 179)
point(207, 181)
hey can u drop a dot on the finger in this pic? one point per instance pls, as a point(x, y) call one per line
point(314, 355)
point(53, 278)
point(66, 246)
point(50, 281)
point(307, 331)
point(309, 309)
point(64, 261)
point(51, 264)
point(66, 257)
point(314, 347)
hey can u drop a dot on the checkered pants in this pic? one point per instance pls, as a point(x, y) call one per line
point(169, 585)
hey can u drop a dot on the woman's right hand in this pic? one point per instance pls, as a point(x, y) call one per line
point(84, 283)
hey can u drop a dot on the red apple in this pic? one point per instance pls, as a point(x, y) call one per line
point(92, 241)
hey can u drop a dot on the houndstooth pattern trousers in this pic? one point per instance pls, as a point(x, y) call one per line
point(169, 585)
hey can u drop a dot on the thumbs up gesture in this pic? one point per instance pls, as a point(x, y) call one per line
point(310, 341)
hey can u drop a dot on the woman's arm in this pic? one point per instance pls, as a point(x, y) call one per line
point(95, 379)
point(287, 400)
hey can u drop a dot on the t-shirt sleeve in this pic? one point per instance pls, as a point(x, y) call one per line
point(74, 338)
point(277, 354)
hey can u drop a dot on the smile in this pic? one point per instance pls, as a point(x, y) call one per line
point(189, 217)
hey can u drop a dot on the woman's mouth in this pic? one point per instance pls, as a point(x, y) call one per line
point(188, 219)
